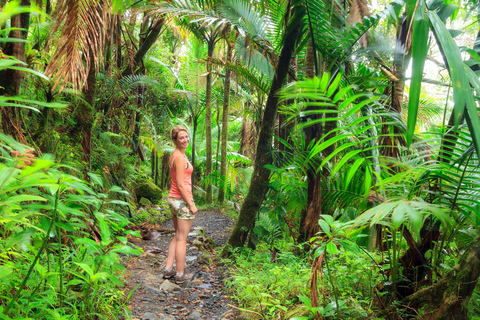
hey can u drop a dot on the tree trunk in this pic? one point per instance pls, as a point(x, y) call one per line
point(83, 115)
point(448, 298)
point(258, 185)
point(388, 142)
point(147, 42)
point(226, 102)
point(194, 146)
point(165, 171)
point(208, 123)
point(10, 79)
point(248, 136)
point(309, 216)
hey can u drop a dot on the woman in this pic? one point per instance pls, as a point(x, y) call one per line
point(180, 200)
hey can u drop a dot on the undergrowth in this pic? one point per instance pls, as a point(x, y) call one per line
point(265, 288)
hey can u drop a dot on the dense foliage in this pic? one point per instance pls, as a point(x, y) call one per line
point(347, 135)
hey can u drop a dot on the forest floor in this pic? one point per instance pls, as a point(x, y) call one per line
point(203, 298)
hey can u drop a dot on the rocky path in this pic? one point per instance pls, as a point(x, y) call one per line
point(202, 298)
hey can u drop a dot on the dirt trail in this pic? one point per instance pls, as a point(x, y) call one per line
point(202, 298)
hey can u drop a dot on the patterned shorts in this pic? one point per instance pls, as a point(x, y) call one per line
point(180, 208)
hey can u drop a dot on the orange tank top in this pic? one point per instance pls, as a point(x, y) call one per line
point(174, 192)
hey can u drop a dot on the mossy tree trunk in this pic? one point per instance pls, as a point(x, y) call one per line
point(448, 298)
point(258, 185)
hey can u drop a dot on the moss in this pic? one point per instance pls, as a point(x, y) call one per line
point(148, 190)
point(144, 202)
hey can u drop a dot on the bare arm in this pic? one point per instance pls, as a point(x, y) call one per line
point(179, 165)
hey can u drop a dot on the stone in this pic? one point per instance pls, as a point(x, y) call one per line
point(205, 286)
point(144, 202)
point(195, 315)
point(153, 289)
point(165, 317)
point(190, 259)
point(148, 190)
point(149, 316)
point(169, 286)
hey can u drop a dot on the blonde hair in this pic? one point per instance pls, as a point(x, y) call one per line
point(175, 131)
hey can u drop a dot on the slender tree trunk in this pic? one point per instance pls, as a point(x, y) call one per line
point(208, 123)
point(258, 185)
point(226, 102)
point(118, 41)
point(217, 155)
point(194, 146)
point(147, 42)
point(309, 216)
point(83, 115)
point(165, 171)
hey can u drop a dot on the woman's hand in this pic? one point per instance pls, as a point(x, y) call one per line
point(193, 208)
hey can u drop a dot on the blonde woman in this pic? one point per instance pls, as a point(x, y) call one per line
point(180, 200)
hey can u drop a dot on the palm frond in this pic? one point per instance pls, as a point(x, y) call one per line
point(81, 24)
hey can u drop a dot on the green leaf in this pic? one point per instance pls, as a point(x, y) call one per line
point(324, 82)
point(349, 245)
point(5, 271)
point(89, 243)
point(105, 231)
point(123, 240)
point(421, 27)
point(324, 225)
point(20, 239)
point(446, 11)
point(95, 178)
point(99, 275)
point(416, 219)
point(85, 267)
point(319, 250)
point(398, 215)
point(126, 250)
point(327, 218)
point(22, 198)
point(332, 248)
point(65, 225)
point(119, 202)
point(134, 233)
point(353, 171)
point(334, 85)
point(460, 84)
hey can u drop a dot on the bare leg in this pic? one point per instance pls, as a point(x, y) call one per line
point(181, 235)
point(172, 247)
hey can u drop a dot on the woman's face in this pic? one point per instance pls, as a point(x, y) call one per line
point(182, 140)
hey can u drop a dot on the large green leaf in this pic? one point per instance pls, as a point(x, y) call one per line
point(420, 46)
point(460, 84)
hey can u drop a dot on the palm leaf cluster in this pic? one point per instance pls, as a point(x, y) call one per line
point(81, 26)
